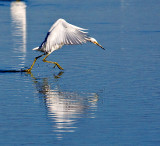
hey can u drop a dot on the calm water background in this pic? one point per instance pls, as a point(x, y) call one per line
point(107, 97)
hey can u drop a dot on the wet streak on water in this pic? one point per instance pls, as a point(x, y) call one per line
point(102, 97)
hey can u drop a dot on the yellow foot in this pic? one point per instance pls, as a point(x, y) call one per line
point(56, 64)
point(27, 70)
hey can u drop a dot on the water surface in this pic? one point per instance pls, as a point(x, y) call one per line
point(102, 97)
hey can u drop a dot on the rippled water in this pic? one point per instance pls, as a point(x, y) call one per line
point(102, 97)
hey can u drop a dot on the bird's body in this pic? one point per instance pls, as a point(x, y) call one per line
point(62, 33)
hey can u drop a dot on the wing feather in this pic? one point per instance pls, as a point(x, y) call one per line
point(64, 33)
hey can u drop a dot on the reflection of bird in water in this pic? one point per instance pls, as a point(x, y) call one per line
point(62, 33)
point(18, 13)
point(65, 107)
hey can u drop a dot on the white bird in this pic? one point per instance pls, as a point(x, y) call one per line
point(62, 33)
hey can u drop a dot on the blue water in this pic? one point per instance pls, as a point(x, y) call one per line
point(102, 97)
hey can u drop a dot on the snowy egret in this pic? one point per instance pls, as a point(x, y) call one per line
point(62, 33)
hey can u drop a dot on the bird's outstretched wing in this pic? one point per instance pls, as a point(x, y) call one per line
point(67, 34)
point(63, 33)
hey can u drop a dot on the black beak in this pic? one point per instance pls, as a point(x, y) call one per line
point(100, 46)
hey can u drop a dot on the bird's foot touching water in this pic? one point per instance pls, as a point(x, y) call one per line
point(56, 64)
point(27, 70)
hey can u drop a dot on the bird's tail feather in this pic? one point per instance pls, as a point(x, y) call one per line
point(35, 48)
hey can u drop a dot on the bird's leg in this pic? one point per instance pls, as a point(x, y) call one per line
point(29, 70)
point(56, 64)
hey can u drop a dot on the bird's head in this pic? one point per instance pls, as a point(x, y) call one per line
point(94, 41)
